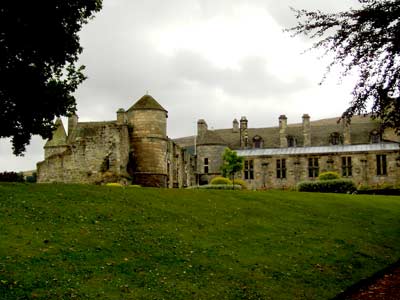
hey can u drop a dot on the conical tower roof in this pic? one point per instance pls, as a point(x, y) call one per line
point(59, 137)
point(147, 102)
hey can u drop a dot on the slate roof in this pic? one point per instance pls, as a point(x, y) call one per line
point(361, 127)
point(210, 137)
point(320, 149)
point(89, 129)
point(146, 102)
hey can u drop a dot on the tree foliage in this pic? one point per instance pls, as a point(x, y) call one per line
point(232, 163)
point(39, 47)
point(365, 40)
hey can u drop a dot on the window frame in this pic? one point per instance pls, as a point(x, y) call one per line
point(313, 167)
point(281, 168)
point(248, 169)
point(347, 167)
point(381, 165)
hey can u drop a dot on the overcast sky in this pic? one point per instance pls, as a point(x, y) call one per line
point(200, 59)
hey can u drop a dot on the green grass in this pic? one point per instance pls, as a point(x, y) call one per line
point(90, 242)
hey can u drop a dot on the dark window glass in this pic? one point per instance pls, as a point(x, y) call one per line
point(346, 167)
point(381, 165)
point(205, 169)
point(281, 168)
point(313, 167)
point(206, 161)
point(249, 169)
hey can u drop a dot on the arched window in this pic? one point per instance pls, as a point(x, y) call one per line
point(291, 141)
point(335, 138)
point(375, 137)
point(257, 142)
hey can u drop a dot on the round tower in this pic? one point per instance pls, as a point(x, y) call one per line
point(147, 120)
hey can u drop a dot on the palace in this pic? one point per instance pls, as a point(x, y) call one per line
point(135, 148)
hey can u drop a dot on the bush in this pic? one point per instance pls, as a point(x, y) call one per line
point(328, 186)
point(242, 183)
point(114, 184)
point(32, 178)
point(328, 176)
point(216, 187)
point(11, 177)
point(220, 180)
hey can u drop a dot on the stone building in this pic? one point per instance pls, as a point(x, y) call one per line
point(282, 156)
point(133, 148)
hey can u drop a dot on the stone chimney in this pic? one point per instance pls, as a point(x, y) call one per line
point(346, 132)
point(282, 131)
point(121, 116)
point(244, 137)
point(306, 131)
point(235, 126)
point(201, 127)
point(72, 123)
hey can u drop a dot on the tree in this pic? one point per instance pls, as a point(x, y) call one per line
point(39, 47)
point(232, 163)
point(365, 40)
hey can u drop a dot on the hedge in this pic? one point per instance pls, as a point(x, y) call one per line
point(216, 187)
point(328, 186)
point(328, 176)
point(220, 180)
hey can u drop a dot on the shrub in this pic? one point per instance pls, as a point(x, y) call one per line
point(328, 186)
point(242, 183)
point(11, 177)
point(114, 184)
point(328, 176)
point(220, 180)
point(32, 178)
point(216, 187)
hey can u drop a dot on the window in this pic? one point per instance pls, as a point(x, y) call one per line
point(281, 168)
point(257, 142)
point(291, 141)
point(206, 165)
point(335, 138)
point(313, 168)
point(249, 169)
point(375, 137)
point(381, 165)
point(346, 166)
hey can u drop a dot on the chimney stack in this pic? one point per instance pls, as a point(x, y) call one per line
point(72, 123)
point(282, 131)
point(235, 126)
point(306, 131)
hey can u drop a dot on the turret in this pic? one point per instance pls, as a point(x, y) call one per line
point(282, 131)
point(121, 116)
point(306, 131)
point(148, 142)
point(235, 126)
point(201, 127)
point(58, 142)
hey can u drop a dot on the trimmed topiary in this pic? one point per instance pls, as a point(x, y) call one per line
point(328, 176)
point(242, 183)
point(328, 186)
point(220, 180)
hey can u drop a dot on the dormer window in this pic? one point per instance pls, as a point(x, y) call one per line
point(335, 138)
point(257, 142)
point(291, 141)
point(375, 137)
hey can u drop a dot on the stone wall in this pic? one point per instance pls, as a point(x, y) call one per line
point(364, 170)
point(87, 160)
point(214, 154)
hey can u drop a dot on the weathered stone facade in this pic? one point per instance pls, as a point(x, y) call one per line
point(282, 156)
point(133, 149)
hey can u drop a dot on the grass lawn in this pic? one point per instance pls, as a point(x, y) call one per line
point(91, 242)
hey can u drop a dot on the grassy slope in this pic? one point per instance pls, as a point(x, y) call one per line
point(61, 242)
